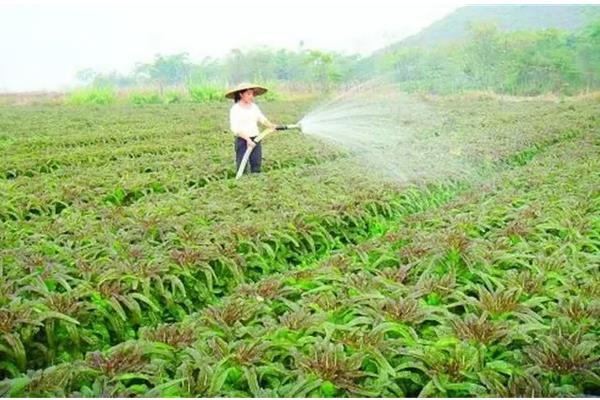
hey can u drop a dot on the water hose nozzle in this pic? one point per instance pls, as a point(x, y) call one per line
point(286, 127)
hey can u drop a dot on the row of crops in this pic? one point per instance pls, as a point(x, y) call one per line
point(122, 278)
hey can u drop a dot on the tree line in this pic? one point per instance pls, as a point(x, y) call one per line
point(518, 63)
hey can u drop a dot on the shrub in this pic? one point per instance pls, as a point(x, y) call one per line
point(173, 97)
point(98, 96)
point(270, 96)
point(206, 94)
point(140, 99)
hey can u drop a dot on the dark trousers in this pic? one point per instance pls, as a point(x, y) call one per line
point(255, 157)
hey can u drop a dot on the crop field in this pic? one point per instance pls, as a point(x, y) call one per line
point(132, 263)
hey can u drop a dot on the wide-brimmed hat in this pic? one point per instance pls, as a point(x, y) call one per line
point(258, 90)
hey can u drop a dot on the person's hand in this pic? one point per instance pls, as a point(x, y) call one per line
point(250, 143)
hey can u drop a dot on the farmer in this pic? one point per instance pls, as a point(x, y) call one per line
point(243, 118)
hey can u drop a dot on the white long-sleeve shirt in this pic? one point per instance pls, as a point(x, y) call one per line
point(245, 119)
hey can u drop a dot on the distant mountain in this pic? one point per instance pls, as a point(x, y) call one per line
point(508, 18)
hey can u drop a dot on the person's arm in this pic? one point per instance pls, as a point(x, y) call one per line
point(268, 124)
point(264, 121)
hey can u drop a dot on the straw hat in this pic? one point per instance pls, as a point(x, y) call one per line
point(258, 90)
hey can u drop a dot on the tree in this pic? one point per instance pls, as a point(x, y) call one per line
point(167, 70)
point(484, 54)
point(323, 70)
point(588, 55)
point(86, 75)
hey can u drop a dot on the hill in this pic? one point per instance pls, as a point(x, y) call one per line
point(508, 18)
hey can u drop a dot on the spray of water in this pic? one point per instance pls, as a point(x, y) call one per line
point(391, 131)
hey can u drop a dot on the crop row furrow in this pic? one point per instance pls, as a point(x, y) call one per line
point(196, 275)
point(421, 310)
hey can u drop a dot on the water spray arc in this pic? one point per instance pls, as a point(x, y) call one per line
point(389, 132)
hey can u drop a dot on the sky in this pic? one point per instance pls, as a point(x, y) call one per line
point(44, 43)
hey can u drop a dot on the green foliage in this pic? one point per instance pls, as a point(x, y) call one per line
point(167, 70)
point(172, 97)
point(271, 95)
point(168, 97)
point(517, 17)
point(518, 63)
point(93, 96)
point(485, 56)
point(206, 94)
point(588, 55)
point(143, 98)
point(110, 287)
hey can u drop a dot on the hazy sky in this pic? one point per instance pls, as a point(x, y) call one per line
point(44, 43)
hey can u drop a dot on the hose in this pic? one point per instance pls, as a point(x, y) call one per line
point(260, 137)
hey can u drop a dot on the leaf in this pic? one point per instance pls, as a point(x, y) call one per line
point(501, 366)
point(132, 306)
point(472, 389)
point(311, 243)
point(446, 342)
point(384, 367)
point(401, 330)
point(267, 248)
point(116, 306)
point(410, 376)
point(159, 349)
point(430, 390)
point(146, 300)
point(177, 284)
point(289, 238)
point(218, 380)
point(359, 321)
point(73, 334)
point(17, 349)
point(131, 375)
point(209, 274)
point(167, 389)
point(12, 370)
point(384, 258)
point(56, 315)
point(63, 282)
point(16, 387)
point(300, 388)
point(252, 381)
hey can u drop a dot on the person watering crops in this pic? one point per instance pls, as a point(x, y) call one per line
point(244, 117)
